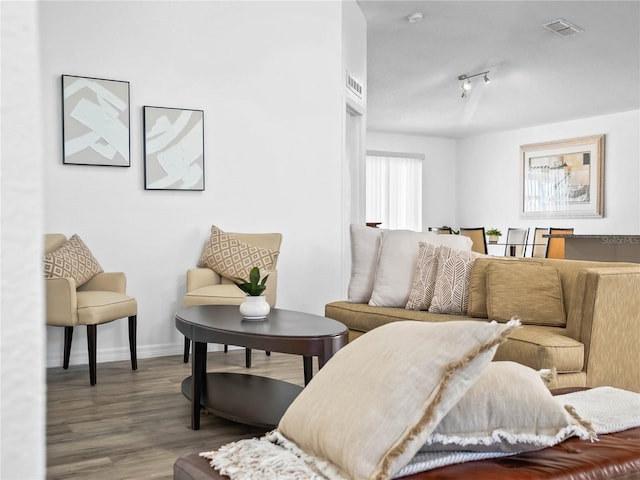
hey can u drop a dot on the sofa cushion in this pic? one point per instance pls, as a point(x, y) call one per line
point(233, 258)
point(477, 307)
point(494, 415)
point(72, 260)
point(543, 348)
point(397, 263)
point(327, 419)
point(452, 284)
point(533, 293)
point(365, 246)
point(424, 280)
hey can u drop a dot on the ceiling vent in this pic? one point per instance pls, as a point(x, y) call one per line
point(563, 28)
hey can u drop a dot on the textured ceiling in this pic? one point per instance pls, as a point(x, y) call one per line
point(537, 76)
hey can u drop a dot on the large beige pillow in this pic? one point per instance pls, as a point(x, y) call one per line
point(397, 264)
point(451, 290)
point(365, 245)
point(72, 260)
point(373, 405)
point(233, 258)
point(424, 281)
point(508, 409)
point(531, 292)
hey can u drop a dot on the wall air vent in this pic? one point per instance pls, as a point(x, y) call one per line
point(563, 28)
point(354, 85)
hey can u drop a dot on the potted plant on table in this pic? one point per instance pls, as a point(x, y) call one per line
point(494, 235)
point(254, 306)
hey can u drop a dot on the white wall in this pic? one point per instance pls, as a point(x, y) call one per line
point(22, 333)
point(439, 171)
point(268, 76)
point(489, 174)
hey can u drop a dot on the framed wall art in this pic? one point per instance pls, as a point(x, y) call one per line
point(173, 148)
point(95, 121)
point(563, 179)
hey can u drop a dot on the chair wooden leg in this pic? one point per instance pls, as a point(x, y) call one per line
point(226, 348)
point(247, 357)
point(68, 337)
point(187, 347)
point(133, 326)
point(91, 343)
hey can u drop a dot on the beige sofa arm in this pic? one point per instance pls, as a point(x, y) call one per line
point(272, 287)
point(610, 327)
point(61, 301)
point(107, 281)
point(201, 277)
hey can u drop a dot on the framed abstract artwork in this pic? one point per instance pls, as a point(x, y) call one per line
point(95, 121)
point(563, 179)
point(173, 148)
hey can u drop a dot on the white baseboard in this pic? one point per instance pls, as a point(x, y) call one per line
point(118, 354)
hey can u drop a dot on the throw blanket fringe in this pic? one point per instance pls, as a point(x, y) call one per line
point(272, 456)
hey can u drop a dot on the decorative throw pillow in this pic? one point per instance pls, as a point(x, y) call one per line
point(424, 281)
point(508, 409)
point(373, 405)
point(533, 293)
point(397, 264)
point(72, 260)
point(478, 283)
point(232, 258)
point(451, 291)
point(365, 245)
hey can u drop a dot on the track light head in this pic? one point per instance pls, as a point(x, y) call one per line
point(486, 78)
point(466, 81)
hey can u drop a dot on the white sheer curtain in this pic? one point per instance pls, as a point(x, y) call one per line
point(394, 190)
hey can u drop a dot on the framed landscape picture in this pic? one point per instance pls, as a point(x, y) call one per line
point(563, 179)
point(95, 121)
point(173, 148)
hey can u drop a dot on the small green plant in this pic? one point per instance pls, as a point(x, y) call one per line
point(254, 287)
point(494, 232)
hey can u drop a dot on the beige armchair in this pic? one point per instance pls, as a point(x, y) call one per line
point(206, 287)
point(101, 299)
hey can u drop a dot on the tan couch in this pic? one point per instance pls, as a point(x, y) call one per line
point(599, 344)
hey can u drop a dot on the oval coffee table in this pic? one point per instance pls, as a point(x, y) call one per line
point(252, 399)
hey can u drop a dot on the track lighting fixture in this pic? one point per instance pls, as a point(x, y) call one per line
point(466, 81)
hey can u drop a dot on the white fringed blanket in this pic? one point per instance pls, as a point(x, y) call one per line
point(273, 456)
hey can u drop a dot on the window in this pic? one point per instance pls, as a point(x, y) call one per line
point(394, 190)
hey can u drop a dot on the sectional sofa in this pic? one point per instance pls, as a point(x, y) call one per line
point(581, 318)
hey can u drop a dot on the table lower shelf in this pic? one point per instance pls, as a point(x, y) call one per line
point(248, 399)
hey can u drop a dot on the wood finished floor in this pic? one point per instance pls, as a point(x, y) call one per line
point(133, 425)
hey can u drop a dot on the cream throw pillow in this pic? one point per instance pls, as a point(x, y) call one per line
point(508, 409)
point(365, 245)
point(72, 260)
point(373, 405)
point(451, 291)
point(397, 264)
point(531, 292)
point(233, 258)
point(424, 281)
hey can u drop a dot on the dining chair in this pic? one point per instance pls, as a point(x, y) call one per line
point(539, 245)
point(516, 243)
point(555, 246)
point(478, 238)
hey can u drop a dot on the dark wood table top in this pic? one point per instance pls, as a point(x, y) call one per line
point(285, 331)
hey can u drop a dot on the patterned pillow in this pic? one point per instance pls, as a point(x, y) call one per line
point(232, 258)
point(72, 260)
point(424, 281)
point(451, 292)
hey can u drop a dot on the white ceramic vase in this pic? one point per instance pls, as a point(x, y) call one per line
point(255, 308)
